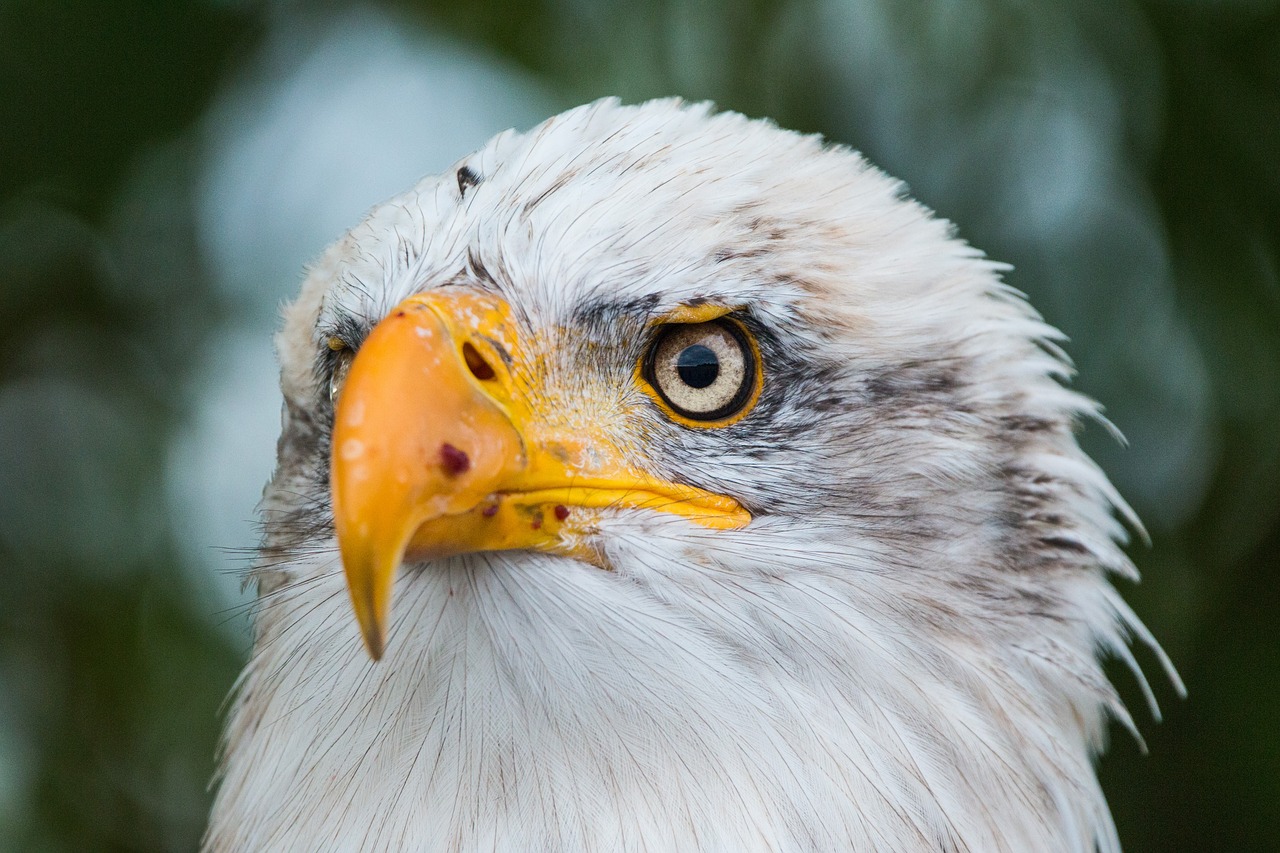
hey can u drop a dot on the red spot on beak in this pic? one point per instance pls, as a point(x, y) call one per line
point(453, 460)
point(562, 512)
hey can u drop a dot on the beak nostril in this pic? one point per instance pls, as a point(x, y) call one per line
point(479, 368)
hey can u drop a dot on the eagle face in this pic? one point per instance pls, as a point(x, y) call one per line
point(697, 490)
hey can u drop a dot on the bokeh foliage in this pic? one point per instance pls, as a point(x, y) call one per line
point(1164, 267)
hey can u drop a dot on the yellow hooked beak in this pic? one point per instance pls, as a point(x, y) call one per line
point(436, 452)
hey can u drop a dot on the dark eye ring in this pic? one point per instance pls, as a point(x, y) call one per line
point(703, 374)
point(343, 356)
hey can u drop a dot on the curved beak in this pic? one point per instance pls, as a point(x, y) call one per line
point(435, 454)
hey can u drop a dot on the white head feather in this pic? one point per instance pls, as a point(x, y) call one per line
point(898, 653)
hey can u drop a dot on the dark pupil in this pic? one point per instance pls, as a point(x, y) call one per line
point(698, 366)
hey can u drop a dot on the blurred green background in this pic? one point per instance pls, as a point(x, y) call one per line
point(166, 169)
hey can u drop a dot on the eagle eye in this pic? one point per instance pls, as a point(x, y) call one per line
point(342, 363)
point(703, 374)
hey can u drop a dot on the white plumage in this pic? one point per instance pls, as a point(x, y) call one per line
point(898, 652)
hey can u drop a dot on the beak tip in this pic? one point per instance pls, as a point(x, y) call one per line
point(369, 584)
point(374, 644)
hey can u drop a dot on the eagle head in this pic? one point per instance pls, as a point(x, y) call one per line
point(690, 488)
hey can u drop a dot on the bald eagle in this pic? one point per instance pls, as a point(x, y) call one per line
point(693, 489)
